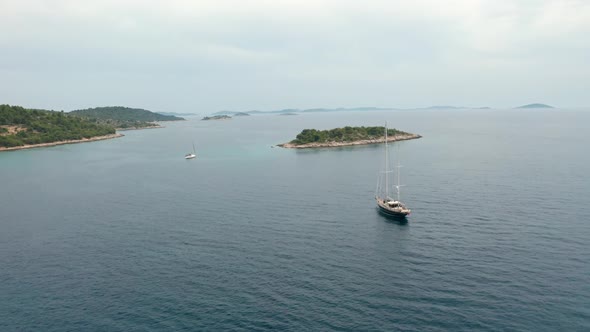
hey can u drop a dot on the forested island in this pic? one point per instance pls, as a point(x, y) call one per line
point(537, 105)
point(312, 138)
point(22, 128)
point(123, 117)
point(217, 117)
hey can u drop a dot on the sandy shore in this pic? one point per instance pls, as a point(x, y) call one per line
point(337, 144)
point(32, 146)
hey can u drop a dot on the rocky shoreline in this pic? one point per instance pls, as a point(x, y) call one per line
point(338, 144)
point(141, 128)
point(32, 146)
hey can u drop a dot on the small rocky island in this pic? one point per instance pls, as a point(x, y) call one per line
point(536, 105)
point(216, 117)
point(312, 138)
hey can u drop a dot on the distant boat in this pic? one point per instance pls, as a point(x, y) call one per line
point(191, 155)
point(387, 205)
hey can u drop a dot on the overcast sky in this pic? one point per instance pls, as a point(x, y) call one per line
point(209, 55)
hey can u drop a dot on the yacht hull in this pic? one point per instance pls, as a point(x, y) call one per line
point(390, 213)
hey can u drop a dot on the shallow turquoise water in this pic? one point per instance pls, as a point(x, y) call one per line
point(126, 235)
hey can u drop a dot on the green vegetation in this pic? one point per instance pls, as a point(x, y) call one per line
point(535, 106)
point(123, 117)
point(346, 134)
point(217, 117)
point(20, 126)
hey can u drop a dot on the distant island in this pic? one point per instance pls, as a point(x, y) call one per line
point(224, 113)
point(176, 114)
point(124, 117)
point(287, 114)
point(231, 113)
point(22, 128)
point(535, 106)
point(346, 109)
point(312, 138)
point(217, 117)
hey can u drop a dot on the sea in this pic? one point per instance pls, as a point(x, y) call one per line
point(127, 235)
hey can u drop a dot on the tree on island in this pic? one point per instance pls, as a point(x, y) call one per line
point(346, 134)
point(217, 117)
point(28, 126)
point(123, 117)
point(537, 105)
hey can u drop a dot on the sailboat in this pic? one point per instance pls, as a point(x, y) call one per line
point(191, 155)
point(387, 205)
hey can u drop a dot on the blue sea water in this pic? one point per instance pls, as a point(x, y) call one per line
point(126, 235)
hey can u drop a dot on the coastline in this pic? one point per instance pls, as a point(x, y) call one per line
point(140, 128)
point(41, 145)
point(338, 144)
point(216, 119)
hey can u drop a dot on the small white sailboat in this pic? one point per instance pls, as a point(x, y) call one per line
point(387, 205)
point(191, 155)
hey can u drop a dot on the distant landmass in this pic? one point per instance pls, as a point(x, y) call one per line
point(25, 128)
point(312, 138)
point(176, 114)
point(232, 113)
point(217, 117)
point(224, 113)
point(449, 107)
point(535, 106)
point(443, 107)
point(123, 117)
point(343, 109)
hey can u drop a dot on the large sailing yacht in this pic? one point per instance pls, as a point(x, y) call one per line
point(387, 205)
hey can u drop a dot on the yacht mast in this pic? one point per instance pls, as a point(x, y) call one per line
point(386, 166)
point(398, 184)
point(399, 166)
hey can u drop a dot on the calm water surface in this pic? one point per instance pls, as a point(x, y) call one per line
point(125, 234)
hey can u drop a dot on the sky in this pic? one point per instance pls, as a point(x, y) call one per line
point(204, 56)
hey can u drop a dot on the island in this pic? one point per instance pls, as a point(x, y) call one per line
point(217, 117)
point(124, 118)
point(22, 128)
point(176, 114)
point(241, 114)
point(535, 106)
point(287, 114)
point(312, 138)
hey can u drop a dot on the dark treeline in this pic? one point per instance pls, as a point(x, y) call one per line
point(217, 117)
point(123, 117)
point(346, 134)
point(20, 126)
